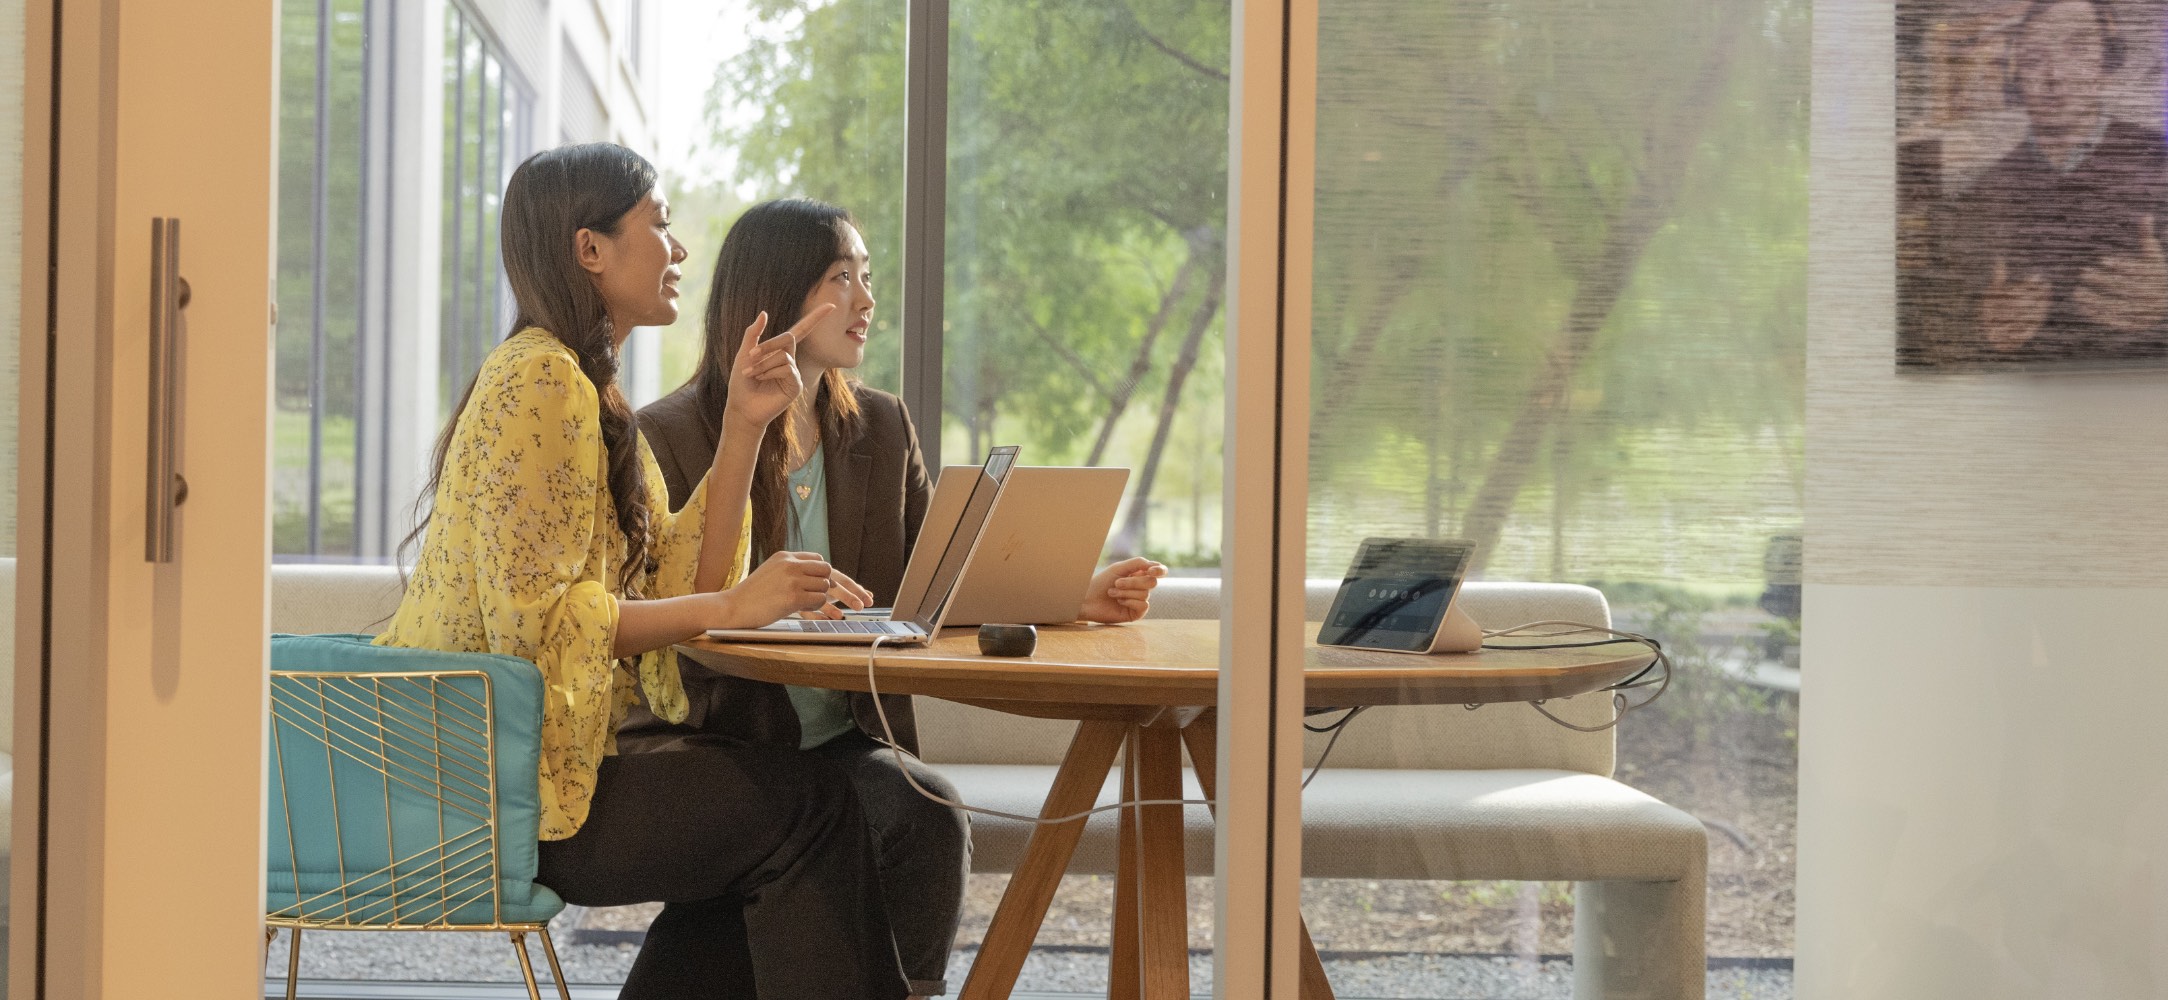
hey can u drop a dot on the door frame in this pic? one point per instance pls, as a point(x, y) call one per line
point(138, 845)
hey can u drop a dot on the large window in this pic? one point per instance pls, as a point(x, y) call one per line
point(1560, 310)
point(399, 123)
point(1087, 180)
point(485, 136)
point(1084, 247)
point(323, 270)
point(778, 99)
point(1559, 274)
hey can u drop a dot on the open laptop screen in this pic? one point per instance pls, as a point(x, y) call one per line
point(942, 585)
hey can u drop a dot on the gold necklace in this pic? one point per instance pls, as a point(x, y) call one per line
point(805, 492)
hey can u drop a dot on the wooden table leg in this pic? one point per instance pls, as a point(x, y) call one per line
point(1046, 856)
point(1151, 905)
point(1202, 738)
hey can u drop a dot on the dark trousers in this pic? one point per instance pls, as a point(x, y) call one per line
point(924, 849)
point(764, 864)
point(923, 852)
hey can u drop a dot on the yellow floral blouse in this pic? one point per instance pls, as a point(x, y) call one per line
point(521, 559)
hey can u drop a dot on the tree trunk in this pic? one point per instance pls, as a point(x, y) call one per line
point(1118, 403)
point(1597, 292)
point(1131, 538)
point(1349, 364)
point(1561, 489)
point(1353, 360)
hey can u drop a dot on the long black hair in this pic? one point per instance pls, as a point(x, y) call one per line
point(550, 198)
point(770, 260)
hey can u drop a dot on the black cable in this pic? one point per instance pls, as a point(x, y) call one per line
point(1334, 726)
point(1561, 645)
point(1634, 681)
point(1620, 706)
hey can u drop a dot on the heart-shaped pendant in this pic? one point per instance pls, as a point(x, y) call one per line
point(805, 492)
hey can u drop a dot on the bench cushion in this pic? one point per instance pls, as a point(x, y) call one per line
point(333, 597)
point(1534, 825)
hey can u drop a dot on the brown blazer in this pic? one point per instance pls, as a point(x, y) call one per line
point(877, 494)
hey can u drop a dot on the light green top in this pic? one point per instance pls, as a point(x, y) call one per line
point(823, 714)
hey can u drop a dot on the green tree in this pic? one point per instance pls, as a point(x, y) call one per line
point(1084, 250)
point(701, 212)
point(1559, 268)
point(1561, 234)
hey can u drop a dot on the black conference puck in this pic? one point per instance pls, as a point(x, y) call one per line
point(1008, 640)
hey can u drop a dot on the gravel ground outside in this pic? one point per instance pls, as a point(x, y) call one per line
point(1082, 972)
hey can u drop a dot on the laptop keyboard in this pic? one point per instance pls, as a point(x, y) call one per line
point(856, 628)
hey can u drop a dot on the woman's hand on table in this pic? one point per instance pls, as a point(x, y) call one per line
point(784, 584)
point(1122, 592)
point(844, 591)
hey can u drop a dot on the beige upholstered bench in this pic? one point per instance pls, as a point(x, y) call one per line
point(1435, 792)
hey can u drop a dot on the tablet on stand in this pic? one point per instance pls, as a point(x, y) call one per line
point(1398, 597)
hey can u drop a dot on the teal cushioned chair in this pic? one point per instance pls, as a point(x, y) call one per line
point(403, 794)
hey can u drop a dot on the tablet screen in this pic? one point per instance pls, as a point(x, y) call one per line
point(1396, 593)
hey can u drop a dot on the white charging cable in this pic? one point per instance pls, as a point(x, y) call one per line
point(888, 738)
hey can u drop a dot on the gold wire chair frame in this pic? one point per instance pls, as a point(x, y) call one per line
point(459, 856)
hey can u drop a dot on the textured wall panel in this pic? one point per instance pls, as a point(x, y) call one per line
point(2004, 478)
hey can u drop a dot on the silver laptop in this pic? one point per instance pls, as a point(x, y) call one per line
point(958, 513)
point(1038, 550)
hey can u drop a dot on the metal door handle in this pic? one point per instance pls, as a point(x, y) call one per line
point(165, 489)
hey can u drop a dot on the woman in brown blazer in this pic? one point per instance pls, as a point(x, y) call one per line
point(842, 476)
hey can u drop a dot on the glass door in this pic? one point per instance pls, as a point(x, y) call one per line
point(1560, 313)
point(11, 327)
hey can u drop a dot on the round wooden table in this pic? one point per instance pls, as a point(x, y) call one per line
point(1148, 687)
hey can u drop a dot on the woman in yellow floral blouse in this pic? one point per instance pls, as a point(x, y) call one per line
point(549, 539)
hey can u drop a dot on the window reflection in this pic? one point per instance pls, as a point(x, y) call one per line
point(1560, 311)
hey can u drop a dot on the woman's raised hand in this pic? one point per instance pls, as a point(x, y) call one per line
point(764, 379)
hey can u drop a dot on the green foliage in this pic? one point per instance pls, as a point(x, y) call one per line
point(1582, 225)
point(315, 188)
point(319, 268)
point(290, 473)
point(700, 215)
point(1077, 239)
point(827, 82)
point(1559, 271)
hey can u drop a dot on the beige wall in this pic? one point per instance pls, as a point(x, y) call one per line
point(1982, 812)
point(1997, 479)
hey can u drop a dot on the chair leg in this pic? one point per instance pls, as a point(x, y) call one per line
point(1639, 940)
point(293, 962)
point(526, 965)
point(557, 972)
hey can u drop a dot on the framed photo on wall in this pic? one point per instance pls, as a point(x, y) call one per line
point(2032, 184)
